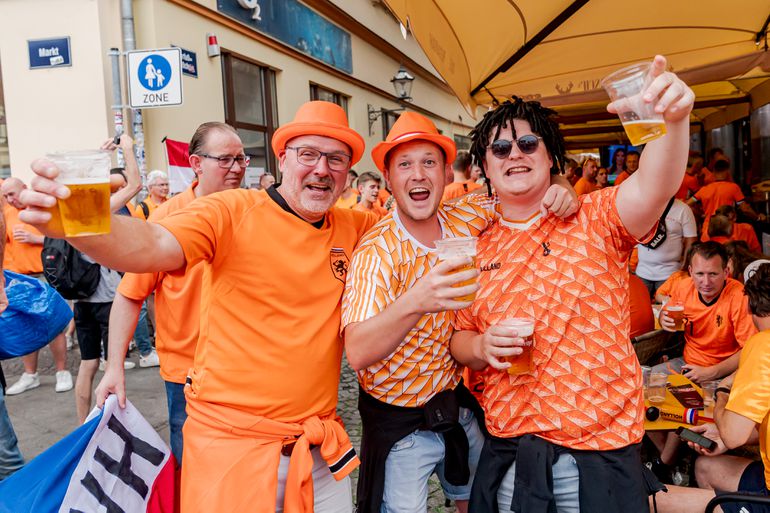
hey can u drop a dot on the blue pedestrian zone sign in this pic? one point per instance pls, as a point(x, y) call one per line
point(154, 72)
point(155, 77)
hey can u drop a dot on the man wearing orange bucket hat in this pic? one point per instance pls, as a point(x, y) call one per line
point(262, 432)
point(397, 319)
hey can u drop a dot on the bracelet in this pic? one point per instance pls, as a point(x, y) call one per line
point(721, 389)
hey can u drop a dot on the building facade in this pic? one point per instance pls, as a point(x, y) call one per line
point(56, 86)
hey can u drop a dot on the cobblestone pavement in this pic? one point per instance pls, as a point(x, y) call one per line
point(41, 417)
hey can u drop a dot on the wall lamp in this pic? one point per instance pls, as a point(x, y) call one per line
point(402, 84)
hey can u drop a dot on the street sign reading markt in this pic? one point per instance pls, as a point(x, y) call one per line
point(154, 78)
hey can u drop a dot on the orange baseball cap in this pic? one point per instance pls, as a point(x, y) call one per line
point(320, 118)
point(411, 126)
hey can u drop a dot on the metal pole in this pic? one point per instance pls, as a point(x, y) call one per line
point(117, 98)
point(129, 43)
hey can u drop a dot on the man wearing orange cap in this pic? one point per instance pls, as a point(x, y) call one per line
point(262, 432)
point(397, 319)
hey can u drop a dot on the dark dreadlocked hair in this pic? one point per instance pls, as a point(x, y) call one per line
point(540, 119)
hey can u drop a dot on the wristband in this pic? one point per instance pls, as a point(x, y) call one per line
point(721, 389)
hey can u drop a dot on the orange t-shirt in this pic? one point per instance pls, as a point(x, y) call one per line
point(688, 188)
point(622, 177)
point(151, 206)
point(642, 319)
point(457, 189)
point(177, 303)
point(376, 210)
point(715, 195)
point(269, 339)
point(20, 257)
point(715, 331)
point(387, 263)
point(348, 202)
point(668, 285)
point(744, 231)
point(583, 186)
point(570, 276)
point(750, 395)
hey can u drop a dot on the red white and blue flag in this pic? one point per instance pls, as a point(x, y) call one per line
point(115, 463)
point(180, 174)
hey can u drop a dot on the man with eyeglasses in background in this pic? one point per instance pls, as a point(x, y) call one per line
point(262, 392)
point(564, 435)
point(218, 161)
point(157, 186)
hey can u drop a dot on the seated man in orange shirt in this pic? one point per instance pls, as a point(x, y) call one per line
point(262, 427)
point(177, 297)
point(587, 183)
point(463, 182)
point(369, 190)
point(717, 322)
point(742, 417)
point(565, 435)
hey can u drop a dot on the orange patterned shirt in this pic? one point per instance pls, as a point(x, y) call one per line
point(570, 276)
point(387, 263)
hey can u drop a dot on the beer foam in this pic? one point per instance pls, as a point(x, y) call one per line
point(675, 308)
point(79, 180)
point(523, 327)
point(644, 122)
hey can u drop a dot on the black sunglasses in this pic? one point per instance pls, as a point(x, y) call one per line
point(527, 144)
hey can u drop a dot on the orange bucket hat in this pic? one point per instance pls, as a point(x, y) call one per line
point(320, 118)
point(411, 126)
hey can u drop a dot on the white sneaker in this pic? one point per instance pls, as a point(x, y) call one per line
point(26, 382)
point(151, 360)
point(63, 381)
point(126, 364)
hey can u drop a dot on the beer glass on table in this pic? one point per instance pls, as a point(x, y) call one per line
point(87, 175)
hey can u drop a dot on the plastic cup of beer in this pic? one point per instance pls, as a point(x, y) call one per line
point(675, 310)
point(455, 247)
point(708, 388)
point(640, 121)
point(656, 390)
point(525, 328)
point(87, 175)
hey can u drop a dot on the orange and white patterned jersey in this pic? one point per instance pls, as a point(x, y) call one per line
point(570, 276)
point(387, 263)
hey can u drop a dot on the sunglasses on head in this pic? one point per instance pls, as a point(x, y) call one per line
point(527, 144)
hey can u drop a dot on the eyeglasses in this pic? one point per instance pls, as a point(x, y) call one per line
point(527, 144)
point(162, 184)
point(226, 161)
point(337, 161)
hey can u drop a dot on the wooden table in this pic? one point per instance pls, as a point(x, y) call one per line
point(673, 406)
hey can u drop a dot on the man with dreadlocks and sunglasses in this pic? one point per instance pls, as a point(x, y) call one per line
point(565, 435)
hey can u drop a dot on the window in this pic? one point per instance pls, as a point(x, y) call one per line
point(388, 120)
point(250, 107)
point(318, 92)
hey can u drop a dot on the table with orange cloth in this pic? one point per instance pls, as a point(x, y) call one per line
point(671, 405)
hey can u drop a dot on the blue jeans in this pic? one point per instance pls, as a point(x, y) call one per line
point(11, 459)
point(566, 483)
point(142, 332)
point(415, 457)
point(176, 417)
